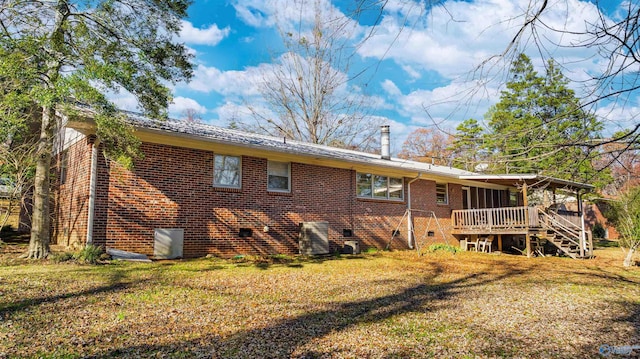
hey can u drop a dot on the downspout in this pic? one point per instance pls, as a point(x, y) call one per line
point(409, 218)
point(93, 142)
point(583, 232)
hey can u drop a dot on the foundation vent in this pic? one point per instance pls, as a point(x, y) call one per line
point(168, 243)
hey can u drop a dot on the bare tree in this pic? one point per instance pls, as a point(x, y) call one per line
point(17, 163)
point(191, 115)
point(428, 145)
point(310, 93)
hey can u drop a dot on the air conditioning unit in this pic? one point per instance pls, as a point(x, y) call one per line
point(314, 238)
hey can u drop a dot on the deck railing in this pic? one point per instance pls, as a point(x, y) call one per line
point(571, 217)
point(495, 219)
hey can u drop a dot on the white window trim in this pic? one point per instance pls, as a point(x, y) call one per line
point(288, 190)
point(239, 186)
point(64, 166)
point(372, 196)
point(446, 193)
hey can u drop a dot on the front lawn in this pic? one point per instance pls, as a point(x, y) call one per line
point(380, 305)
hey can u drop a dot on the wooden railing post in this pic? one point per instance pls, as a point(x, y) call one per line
point(454, 223)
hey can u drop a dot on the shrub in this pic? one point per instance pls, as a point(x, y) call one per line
point(239, 258)
point(90, 254)
point(62, 257)
point(443, 247)
point(598, 230)
point(281, 258)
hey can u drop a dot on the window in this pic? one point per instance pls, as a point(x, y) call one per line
point(442, 193)
point(227, 171)
point(278, 176)
point(395, 188)
point(379, 187)
point(513, 199)
point(363, 185)
point(64, 163)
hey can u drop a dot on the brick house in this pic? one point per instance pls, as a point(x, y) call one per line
point(223, 192)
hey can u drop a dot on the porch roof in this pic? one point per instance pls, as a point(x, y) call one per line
point(532, 181)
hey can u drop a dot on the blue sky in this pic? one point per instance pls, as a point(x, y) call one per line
point(418, 75)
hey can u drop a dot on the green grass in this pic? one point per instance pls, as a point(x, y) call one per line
point(605, 243)
point(380, 305)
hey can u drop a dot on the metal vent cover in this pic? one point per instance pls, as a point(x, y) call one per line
point(168, 243)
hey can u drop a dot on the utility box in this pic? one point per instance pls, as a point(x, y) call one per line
point(314, 238)
point(351, 247)
point(168, 243)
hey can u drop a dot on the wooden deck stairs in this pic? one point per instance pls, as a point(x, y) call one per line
point(564, 235)
point(562, 229)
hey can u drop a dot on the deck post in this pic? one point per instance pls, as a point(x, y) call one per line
point(528, 241)
point(525, 200)
point(500, 242)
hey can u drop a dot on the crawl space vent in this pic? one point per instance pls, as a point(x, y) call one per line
point(168, 243)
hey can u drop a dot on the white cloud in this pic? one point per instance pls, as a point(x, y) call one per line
point(296, 16)
point(231, 83)
point(452, 40)
point(180, 104)
point(237, 112)
point(455, 37)
point(413, 73)
point(391, 88)
point(211, 35)
point(619, 116)
point(436, 51)
point(124, 100)
point(448, 105)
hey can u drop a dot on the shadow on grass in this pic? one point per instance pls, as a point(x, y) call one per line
point(605, 243)
point(279, 260)
point(15, 237)
point(629, 324)
point(117, 282)
point(286, 337)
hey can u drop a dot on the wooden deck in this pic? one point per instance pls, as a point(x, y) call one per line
point(562, 228)
point(506, 220)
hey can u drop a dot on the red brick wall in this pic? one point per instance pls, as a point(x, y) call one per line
point(593, 215)
point(172, 187)
point(71, 198)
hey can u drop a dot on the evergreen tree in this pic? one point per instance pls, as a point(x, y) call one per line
point(540, 127)
point(467, 147)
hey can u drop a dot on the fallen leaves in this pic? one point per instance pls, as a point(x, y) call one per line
point(388, 305)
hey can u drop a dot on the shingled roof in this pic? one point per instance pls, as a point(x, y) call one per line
point(221, 135)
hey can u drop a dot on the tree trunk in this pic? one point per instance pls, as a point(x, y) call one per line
point(628, 259)
point(40, 221)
